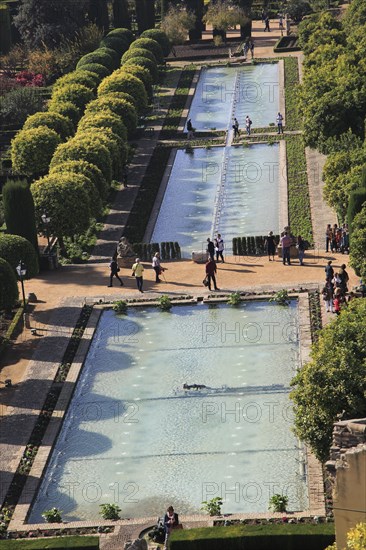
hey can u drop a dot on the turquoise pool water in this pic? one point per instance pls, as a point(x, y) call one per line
point(230, 190)
point(225, 92)
point(133, 436)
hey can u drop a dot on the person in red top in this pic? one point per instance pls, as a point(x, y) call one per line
point(210, 273)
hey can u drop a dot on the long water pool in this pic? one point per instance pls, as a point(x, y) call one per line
point(133, 436)
point(226, 92)
point(230, 190)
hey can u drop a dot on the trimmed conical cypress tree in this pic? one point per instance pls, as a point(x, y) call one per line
point(5, 29)
point(121, 16)
point(19, 211)
point(8, 286)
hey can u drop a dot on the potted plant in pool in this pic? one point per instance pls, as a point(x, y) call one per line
point(234, 299)
point(165, 303)
point(213, 506)
point(53, 515)
point(110, 511)
point(120, 306)
point(278, 503)
point(281, 298)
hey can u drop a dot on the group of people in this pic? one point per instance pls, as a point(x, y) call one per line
point(137, 271)
point(248, 125)
point(214, 248)
point(337, 238)
point(286, 241)
point(335, 288)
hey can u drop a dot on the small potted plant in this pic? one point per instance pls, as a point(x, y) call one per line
point(278, 503)
point(213, 506)
point(110, 511)
point(53, 515)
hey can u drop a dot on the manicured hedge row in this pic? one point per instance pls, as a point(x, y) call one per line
point(293, 119)
point(261, 537)
point(250, 245)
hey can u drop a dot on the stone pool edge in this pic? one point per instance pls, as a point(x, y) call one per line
point(22, 510)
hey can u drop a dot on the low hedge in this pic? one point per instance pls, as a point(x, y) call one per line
point(81, 149)
point(160, 37)
point(96, 68)
point(151, 45)
point(146, 64)
point(67, 109)
point(119, 81)
point(14, 249)
point(105, 119)
point(87, 169)
point(120, 107)
point(32, 150)
point(55, 121)
point(86, 542)
point(138, 52)
point(255, 537)
point(77, 94)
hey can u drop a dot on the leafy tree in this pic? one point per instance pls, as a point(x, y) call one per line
point(358, 243)
point(146, 64)
point(14, 249)
point(196, 9)
point(9, 292)
point(116, 147)
point(151, 45)
point(91, 171)
point(67, 109)
point(333, 381)
point(177, 23)
point(296, 9)
point(121, 17)
point(83, 77)
point(159, 36)
point(32, 150)
point(221, 15)
point(98, 13)
point(59, 123)
point(105, 119)
point(120, 81)
point(19, 211)
point(67, 203)
point(99, 56)
point(138, 52)
point(77, 94)
point(79, 148)
point(117, 105)
point(5, 28)
point(141, 73)
point(46, 22)
point(356, 537)
point(100, 70)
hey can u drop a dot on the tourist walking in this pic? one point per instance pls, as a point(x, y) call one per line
point(328, 237)
point(137, 272)
point(171, 522)
point(279, 122)
point(189, 129)
point(236, 128)
point(270, 244)
point(219, 248)
point(329, 271)
point(114, 272)
point(211, 249)
point(248, 124)
point(327, 294)
point(157, 267)
point(286, 242)
point(211, 270)
point(251, 46)
point(266, 22)
point(344, 279)
point(300, 245)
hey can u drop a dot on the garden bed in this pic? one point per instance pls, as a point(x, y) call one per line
point(287, 44)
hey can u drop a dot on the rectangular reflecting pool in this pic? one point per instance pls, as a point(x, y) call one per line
point(231, 190)
point(226, 92)
point(134, 436)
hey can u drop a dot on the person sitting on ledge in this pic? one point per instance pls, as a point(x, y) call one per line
point(194, 386)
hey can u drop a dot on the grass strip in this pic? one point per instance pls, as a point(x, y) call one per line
point(88, 543)
point(293, 119)
point(172, 119)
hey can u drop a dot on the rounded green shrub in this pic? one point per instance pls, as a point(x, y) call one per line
point(121, 95)
point(126, 34)
point(113, 54)
point(32, 150)
point(104, 120)
point(80, 149)
point(140, 72)
point(59, 123)
point(94, 200)
point(120, 107)
point(138, 52)
point(100, 57)
point(116, 43)
point(67, 109)
point(114, 144)
point(85, 78)
point(160, 37)
point(119, 81)
point(151, 45)
point(14, 249)
point(67, 203)
point(77, 94)
point(9, 292)
point(87, 169)
point(146, 64)
point(96, 68)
